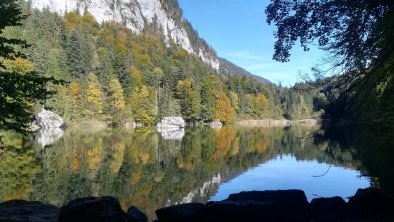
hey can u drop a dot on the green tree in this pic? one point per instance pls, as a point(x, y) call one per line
point(116, 98)
point(18, 91)
point(359, 36)
point(190, 104)
point(93, 96)
point(208, 101)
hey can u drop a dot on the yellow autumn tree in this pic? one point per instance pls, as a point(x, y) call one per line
point(143, 105)
point(234, 101)
point(224, 111)
point(76, 101)
point(116, 96)
point(262, 105)
point(18, 65)
point(93, 93)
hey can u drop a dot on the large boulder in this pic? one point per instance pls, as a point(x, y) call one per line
point(281, 205)
point(93, 209)
point(171, 124)
point(21, 210)
point(184, 212)
point(216, 124)
point(135, 215)
point(48, 120)
point(329, 209)
point(372, 204)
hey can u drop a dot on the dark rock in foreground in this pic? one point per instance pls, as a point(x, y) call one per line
point(20, 210)
point(284, 205)
point(92, 209)
point(281, 205)
point(135, 215)
point(372, 203)
point(184, 212)
point(329, 209)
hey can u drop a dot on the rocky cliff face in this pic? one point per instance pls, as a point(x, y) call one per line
point(136, 14)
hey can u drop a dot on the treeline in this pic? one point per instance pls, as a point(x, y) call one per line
point(116, 76)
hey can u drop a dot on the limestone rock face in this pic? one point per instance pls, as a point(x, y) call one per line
point(135, 14)
point(48, 120)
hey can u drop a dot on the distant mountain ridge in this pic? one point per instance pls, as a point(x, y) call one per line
point(230, 69)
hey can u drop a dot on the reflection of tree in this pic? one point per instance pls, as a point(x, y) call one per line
point(18, 168)
point(142, 169)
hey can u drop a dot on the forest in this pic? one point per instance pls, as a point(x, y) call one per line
point(112, 75)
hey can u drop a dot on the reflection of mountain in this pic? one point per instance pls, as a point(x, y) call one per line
point(143, 169)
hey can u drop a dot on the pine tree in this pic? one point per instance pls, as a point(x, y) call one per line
point(190, 104)
point(208, 104)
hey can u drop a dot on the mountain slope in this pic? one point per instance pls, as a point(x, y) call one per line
point(230, 69)
point(166, 15)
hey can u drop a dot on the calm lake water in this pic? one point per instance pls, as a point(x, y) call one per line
point(151, 170)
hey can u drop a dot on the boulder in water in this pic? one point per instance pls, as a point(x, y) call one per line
point(47, 119)
point(171, 124)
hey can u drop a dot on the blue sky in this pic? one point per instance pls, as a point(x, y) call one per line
point(238, 31)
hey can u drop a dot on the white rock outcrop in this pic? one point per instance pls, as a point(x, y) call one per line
point(134, 14)
point(47, 119)
point(171, 124)
point(216, 124)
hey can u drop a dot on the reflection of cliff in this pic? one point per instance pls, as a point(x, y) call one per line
point(202, 192)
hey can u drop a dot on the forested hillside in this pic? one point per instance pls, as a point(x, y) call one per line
point(230, 69)
point(114, 75)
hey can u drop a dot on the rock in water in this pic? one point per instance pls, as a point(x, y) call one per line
point(216, 124)
point(47, 119)
point(93, 209)
point(50, 124)
point(171, 124)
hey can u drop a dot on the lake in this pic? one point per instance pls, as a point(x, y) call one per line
point(150, 170)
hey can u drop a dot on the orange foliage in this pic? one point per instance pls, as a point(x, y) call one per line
point(224, 111)
point(224, 138)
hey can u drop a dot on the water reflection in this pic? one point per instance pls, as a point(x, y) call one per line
point(172, 134)
point(49, 136)
point(285, 172)
point(146, 169)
